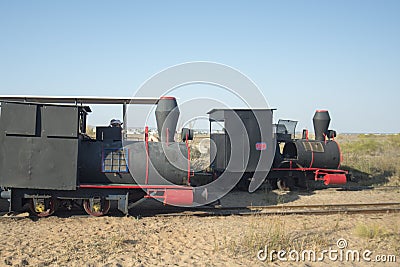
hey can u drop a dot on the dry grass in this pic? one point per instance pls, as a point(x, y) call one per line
point(278, 233)
point(200, 152)
point(378, 236)
point(274, 233)
point(372, 159)
point(90, 131)
point(370, 231)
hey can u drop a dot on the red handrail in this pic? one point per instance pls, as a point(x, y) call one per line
point(146, 138)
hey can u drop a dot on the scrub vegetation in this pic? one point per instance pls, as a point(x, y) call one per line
point(372, 159)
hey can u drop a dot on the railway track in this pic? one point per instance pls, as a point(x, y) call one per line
point(318, 209)
point(315, 209)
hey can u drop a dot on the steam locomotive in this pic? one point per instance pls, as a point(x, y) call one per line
point(47, 159)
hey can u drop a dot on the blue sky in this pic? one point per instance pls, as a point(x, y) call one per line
point(343, 56)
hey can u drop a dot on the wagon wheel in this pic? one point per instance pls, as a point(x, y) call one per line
point(244, 182)
point(96, 207)
point(43, 207)
point(285, 183)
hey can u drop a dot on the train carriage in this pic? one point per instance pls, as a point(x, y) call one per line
point(46, 157)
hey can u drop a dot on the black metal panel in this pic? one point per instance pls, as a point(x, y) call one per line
point(91, 157)
point(167, 163)
point(59, 121)
point(254, 137)
point(31, 162)
point(216, 115)
point(253, 142)
point(19, 119)
point(39, 161)
point(15, 156)
point(108, 133)
point(89, 163)
point(54, 164)
point(217, 152)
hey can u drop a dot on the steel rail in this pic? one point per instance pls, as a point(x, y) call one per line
point(283, 206)
point(329, 209)
point(315, 209)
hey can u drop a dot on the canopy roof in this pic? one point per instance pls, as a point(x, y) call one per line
point(81, 99)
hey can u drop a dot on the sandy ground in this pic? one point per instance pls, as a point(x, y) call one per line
point(203, 241)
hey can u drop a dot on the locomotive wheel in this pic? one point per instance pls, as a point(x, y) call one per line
point(273, 183)
point(97, 208)
point(285, 183)
point(302, 182)
point(43, 207)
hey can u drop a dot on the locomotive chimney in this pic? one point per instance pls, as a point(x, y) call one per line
point(321, 122)
point(167, 114)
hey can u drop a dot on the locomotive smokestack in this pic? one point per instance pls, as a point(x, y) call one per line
point(167, 114)
point(321, 122)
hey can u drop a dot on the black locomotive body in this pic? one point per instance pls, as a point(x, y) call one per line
point(299, 160)
point(46, 157)
point(290, 162)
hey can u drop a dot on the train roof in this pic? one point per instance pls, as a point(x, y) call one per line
point(238, 109)
point(85, 108)
point(80, 99)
